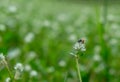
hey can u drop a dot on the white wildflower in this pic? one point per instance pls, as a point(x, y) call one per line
point(113, 41)
point(12, 8)
point(80, 45)
point(2, 27)
point(96, 57)
point(72, 54)
point(31, 55)
point(29, 37)
point(2, 57)
point(18, 71)
point(97, 49)
point(19, 67)
point(33, 73)
point(27, 67)
point(62, 63)
point(111, 17)
point(46, 23)
point(72, 37)
point(13, 53)
point(51, 69)
point(7, 79)
point(115, 26)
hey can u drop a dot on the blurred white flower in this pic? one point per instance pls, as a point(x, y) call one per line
point(113, 41)
point(115, 26)
point(111, 17)
point(27, 68)
point(13, 53)
point(97, 49)
point(29, 37)
point(46, 23)
point(62, 63)
point(12, 8)
point(7, 79)
point(33, 73)
point(72, 54)
point(51, 69)
point(80, 46)
point(2, 27)
point(2, 57)
point(19, 67)
point(31, 55)
point(96, 57)
point(72, 37)
point(62, 17)
point(18, 71)
point(83, 49)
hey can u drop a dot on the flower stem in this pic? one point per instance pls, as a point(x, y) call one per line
point(8, 69)
point(78, 69)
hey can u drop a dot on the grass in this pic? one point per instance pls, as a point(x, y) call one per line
point(78, 69)
point(51, 28)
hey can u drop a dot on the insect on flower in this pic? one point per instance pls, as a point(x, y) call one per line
point(81, 41)
point(80, 45)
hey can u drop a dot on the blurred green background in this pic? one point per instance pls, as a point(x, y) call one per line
point(41, 33)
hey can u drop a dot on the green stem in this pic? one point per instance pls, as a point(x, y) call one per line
point(105, 52)
point(78, 69)
point(6, 65)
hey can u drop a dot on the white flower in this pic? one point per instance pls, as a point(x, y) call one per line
point(33, 73)
point(79, 46)
point(12, 9)
point(29, 37)
point(51, 69)
point(111, 17)
point(97, 49)
point(31, 55)
point(2, 57)
point(62, 63)
point(27, 67)
point(46, 23)
point(72, 37)
point(2, 27)
point(19, 67)
point(113, 41)
point(7, 79)
point(18, 71)
point(13, 53)
point(96, 57)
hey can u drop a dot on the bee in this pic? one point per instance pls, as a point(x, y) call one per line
point(81, 41)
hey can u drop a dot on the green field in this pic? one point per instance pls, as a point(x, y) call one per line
point(40, 35)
